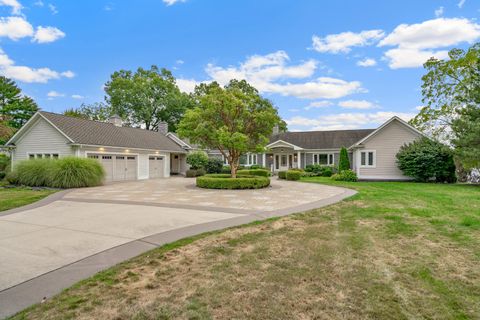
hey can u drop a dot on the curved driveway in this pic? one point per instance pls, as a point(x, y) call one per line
point(50, 245)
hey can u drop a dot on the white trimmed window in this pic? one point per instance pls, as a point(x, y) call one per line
point(326, 159)
point(368, 159)
point(43, 156)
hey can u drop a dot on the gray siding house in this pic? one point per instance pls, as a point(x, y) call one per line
point(131, 153)
point(125, 153)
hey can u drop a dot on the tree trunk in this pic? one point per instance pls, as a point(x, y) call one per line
point(233, 170)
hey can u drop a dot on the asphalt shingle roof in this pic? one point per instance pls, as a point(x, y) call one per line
point(323, 139)
point(89, 132)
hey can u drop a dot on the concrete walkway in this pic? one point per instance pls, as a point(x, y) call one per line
point(48, 246)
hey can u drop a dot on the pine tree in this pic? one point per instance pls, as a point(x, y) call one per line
point(344, 162)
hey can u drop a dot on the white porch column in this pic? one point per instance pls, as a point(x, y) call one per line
point(299, 160)
point(264, 160)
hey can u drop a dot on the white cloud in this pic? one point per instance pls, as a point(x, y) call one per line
point(294, 110)
point(343, 42)
point(28, 74)
point(67, 74)
point(15, 28)
point(357, 104)
point(55, 94)
point(187, 85)
point(38, 3)
point(268, 73)
point(436, 33)
point(52, 8)
point(179, 61)
point(319, 104)
point(367, 62)
point(47, 34)
point(172, 2)
point(416, 43)
point(77, 96)
point(344, 120)
point(411, 58)
point(14, 4)
point(461, 3)
point(439, 12)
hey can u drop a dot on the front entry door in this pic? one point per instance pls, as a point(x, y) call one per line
point(284, 162)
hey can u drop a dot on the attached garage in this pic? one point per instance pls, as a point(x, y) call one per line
point(118, 167)
point(156, 167)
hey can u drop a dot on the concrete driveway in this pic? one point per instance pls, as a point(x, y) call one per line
point(49, 246)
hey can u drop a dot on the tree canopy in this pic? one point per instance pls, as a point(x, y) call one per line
point(451, 93)
point(15, 108)
point(146, 97)
point(97, 111)
point(234, 119)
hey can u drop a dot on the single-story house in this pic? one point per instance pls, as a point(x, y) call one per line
point(372, 152)
point(132, 153)
point(126, 153)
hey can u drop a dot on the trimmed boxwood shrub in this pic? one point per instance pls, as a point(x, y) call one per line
point(257, 166)
point(69, 172)
point(214, 165)
point(345, 175)
point(225, 181)
point(320, 170)
point(254, 172)
point(192, 173)
point(293, 175)
point(282, 174)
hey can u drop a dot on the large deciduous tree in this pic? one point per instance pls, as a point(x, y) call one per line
point(97, 111)
point(15, 108)
point(234, 119)
point(451, 93)
point(146, 97)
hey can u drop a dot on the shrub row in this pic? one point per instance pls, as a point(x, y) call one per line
point(319, 170)
point(70, 172)
point(224, 181)
point(254, 172)
point(192, 173)
point(345, 175)
point(292, 174)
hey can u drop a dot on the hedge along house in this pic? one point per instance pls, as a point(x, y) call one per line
point(126, 153)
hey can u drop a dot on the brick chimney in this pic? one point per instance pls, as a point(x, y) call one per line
point(116, 120)
point(163, 127)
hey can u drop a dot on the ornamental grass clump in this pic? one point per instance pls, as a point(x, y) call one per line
point(72, 172)
point(69, 172)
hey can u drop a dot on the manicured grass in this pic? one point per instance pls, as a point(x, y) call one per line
point(16, 197)
point(393, 251)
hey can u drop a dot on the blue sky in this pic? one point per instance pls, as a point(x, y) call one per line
point(325, 65)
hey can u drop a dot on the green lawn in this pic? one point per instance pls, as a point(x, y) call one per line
point(16, 197)
point(393, 251)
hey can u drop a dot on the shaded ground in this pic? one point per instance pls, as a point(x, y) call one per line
point(16, 197)
point(395, 250)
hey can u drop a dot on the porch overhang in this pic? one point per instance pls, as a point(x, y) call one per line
point(283, 144)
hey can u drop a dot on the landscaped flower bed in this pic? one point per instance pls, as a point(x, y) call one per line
point(225, 181)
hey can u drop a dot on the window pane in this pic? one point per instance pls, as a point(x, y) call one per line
point(315, 159)
point(370, 158)
point(243, 159)
point(330, 157)
point(55, 156)
point(362, 156)
point(323, 159)
point(39, 156)
point(31, 156)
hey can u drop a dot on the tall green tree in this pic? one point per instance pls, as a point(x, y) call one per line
point(234, 119)
point(97, 111)
point(448, 86)
point(343, 162)
point(15, 108)
point(146, 97)
point(451, 92)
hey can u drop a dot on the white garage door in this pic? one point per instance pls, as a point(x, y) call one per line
point(155, 167)
point(117, 167)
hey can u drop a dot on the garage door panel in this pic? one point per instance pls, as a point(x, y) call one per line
point(156, 167)
point(117, 167)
